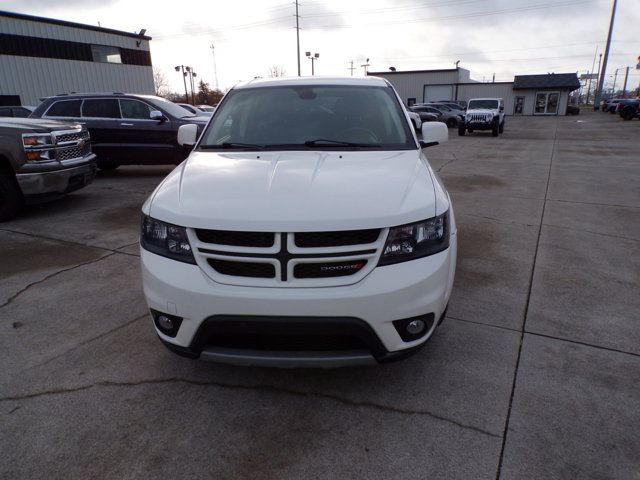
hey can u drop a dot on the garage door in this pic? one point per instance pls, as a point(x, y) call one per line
point(434, 93)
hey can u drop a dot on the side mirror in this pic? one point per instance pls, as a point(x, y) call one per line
point(187, 135)
point(434, 133)
point(157, 115)
point(502, 108)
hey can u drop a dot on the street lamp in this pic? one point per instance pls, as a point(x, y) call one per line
point(184, 70)
point(313, 58)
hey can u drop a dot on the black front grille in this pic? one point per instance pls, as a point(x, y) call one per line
point(237, 239)
point(328, 270)
point(281, 342)
point(243, 269)
point(336, 239)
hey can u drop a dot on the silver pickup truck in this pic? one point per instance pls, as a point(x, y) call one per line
point(41, 160)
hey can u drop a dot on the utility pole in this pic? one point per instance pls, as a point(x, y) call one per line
point(596, 103)
point(366, 67)
point(615, 78)
point(352, 68)
point(606, 57)
point(624, 88)
point(590, 73)
point(298, 36)
point(493, 80)
point(215, 70)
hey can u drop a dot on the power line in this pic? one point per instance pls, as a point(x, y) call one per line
point(456, 17)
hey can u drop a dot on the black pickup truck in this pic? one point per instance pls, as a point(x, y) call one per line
point(41, 160)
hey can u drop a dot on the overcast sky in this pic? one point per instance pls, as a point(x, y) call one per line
point(505, 37)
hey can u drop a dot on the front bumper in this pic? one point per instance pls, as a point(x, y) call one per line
point(64, 180)
point(404, 290)
point(479, 125)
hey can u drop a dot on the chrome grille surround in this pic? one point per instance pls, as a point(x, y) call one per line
point(284, 255)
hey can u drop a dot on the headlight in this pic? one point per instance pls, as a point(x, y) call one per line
point(166, 239)
point(416, 240)
point(35, 146)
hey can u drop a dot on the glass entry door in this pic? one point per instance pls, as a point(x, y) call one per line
point(518, 108)
point(547, 103)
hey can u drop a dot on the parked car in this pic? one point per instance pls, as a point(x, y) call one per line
point(612, 104)
point(622, 103)
point(126, 129)
point(206, 108)
point(41, 160)
point(416, 121)
point(458, 109)
point(573, 110)
point(630, 110)
point(195, 110)
point(447, 117)
point(426, 115)
point(16, 111)
point(484, 114)
point(306, 228)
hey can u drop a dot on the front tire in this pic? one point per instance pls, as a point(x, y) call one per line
point(501, 129)
point(452, 123)
point(10, 197)
point(461, 130)
point(495, 129)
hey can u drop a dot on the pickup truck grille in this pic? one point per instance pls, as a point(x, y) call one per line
point(71, 144)
point(287, 259)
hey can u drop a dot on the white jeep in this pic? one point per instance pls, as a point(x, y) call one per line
point(483, 114)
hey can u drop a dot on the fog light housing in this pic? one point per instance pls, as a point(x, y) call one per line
point(167, 324)
point(413, 328)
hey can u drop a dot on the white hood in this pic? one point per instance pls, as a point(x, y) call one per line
point(296, 191)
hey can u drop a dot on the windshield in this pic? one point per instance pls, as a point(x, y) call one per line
point(169, 107)
point(479, 104)
point(303, 117)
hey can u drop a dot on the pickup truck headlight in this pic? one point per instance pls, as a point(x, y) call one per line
point(35, 146)
point(416, 240)
point(166, 239)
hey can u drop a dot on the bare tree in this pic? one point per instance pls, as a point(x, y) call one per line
point(277, 71)
point(160, 82)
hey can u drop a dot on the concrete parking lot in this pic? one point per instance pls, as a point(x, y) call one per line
point(534, 374)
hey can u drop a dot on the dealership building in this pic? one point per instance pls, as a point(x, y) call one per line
point(546, 94)
point(40, 57)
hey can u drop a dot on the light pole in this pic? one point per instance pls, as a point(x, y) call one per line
point(181, 68)
point(366, 67)
point(313, 59)
point(215, 69)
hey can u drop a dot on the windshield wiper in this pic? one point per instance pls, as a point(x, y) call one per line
point(225, 145)
point(320, 141)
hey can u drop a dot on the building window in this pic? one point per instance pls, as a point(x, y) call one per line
point(547, 103)
point(105, 54)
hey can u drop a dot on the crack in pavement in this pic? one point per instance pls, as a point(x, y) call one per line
point(98, 337)
point(497, 220)
point(51, 275)
point(447, 162)
point(68, 242)
point(593, 233)
point(265, 388)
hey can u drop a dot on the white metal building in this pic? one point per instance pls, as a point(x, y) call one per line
point(546, 94)
point(40, 57)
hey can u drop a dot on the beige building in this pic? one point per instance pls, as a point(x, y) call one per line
point(546, 94)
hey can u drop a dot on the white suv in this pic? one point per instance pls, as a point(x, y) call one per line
point(483, 114)
point(306, 228)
